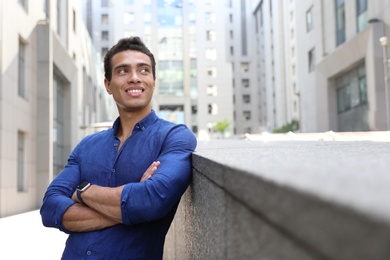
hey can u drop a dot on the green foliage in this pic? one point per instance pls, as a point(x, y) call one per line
point(290, 127)
point(221, 126)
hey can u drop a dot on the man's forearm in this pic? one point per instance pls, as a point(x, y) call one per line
point(104, 200)
point(81, 218)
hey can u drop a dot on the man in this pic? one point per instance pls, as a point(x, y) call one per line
point(130, 178)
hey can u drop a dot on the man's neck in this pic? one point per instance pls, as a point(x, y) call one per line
point(128, 121)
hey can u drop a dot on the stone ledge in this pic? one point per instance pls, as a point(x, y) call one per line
point(320, 200)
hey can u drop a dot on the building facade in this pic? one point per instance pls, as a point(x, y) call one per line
point(321, 62)
point(51, 89)
point(188, 39)
point(346, 85)
point(275, 47)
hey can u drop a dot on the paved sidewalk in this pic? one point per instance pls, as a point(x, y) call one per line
point(23, 236)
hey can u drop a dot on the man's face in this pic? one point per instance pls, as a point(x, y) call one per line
point(132, 81)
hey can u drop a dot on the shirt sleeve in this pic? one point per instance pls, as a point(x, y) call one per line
point(57, 198)
point(155, 198)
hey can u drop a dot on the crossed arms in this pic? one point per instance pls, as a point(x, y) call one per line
point(101, 209)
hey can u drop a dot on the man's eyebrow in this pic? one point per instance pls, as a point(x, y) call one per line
point(125, 65)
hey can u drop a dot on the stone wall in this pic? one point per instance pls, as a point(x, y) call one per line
point(285, 200)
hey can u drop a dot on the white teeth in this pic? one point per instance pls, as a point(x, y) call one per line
point(134, 90)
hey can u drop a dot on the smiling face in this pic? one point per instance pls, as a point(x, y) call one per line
point(132, 82)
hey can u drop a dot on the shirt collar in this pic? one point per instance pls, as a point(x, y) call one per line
point(141, 125)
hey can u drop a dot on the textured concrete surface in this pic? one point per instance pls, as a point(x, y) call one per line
point(285, 200)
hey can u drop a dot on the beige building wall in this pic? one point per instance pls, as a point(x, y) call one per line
point(319, 93)
point(53, 53)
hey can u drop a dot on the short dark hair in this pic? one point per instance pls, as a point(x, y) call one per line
point(132, 43)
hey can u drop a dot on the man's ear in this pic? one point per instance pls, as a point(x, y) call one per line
point(108, 86)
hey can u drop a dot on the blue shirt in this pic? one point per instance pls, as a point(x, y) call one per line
point(147, 207)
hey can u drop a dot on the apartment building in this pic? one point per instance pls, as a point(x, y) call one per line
point(50, 91)
point(241, 53)
point(343, 77)
point(188, 39)
point(275, 47)
point(321, 62)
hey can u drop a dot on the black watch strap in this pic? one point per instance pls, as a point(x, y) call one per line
point(82, 187)
point(79, 196)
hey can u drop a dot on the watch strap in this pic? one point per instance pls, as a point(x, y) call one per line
point(79, 196)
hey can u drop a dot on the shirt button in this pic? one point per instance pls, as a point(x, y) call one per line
point(89, 252)
point(113, 170)
point(115, 144)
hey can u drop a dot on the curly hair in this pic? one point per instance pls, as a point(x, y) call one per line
point(132, 43)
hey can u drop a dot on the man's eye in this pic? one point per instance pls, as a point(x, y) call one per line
point(144, 70)
point(122, 71)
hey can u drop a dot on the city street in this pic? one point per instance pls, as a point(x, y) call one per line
point(23, 236)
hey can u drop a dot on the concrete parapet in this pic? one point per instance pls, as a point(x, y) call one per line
point(285, 200)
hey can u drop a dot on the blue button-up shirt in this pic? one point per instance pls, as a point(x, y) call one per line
point(147, 207)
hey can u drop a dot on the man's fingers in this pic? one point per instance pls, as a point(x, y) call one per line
point(150, 171)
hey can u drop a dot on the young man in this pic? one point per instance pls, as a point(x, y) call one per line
point(119, 191)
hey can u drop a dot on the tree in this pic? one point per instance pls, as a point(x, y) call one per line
point(221, 126)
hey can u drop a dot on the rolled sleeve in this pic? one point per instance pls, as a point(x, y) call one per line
point(57, 198)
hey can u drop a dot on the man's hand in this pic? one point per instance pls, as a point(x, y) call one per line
point(150, 171)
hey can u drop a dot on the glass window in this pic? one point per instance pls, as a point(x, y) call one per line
point(247, 115)
point(340, 22)
point(170, 76)
point(245, 83)
point(309, 19)
point(212, 90)
point(22, 185)
point(246, 99)
point(22, 91)
point(361, 13)
point(212, 72)
point(351, 89)
point(311, 60)
point(212, 109)
point(147, 18)
point(362, 90)
point(211, 54)
point(74, 20)
point(104, 19)
point(59, 155)
point(129, 2)
point(344, 98)
point(105, 36)
point(104, 3)
point(128, 18)
point(244, 66)
point(104, 51)
point(211, 18)
point(211, 35)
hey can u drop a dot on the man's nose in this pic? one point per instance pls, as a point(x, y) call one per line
point(133, 77)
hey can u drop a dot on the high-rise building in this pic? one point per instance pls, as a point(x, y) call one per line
point(51, 89)
point(321, 62)
point(188, 39)
point(275, 39)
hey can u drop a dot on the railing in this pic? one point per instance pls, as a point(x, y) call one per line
point(285, 200)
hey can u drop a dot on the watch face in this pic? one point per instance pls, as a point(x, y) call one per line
point(83, 186)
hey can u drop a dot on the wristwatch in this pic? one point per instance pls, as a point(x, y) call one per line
point(82, 187)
